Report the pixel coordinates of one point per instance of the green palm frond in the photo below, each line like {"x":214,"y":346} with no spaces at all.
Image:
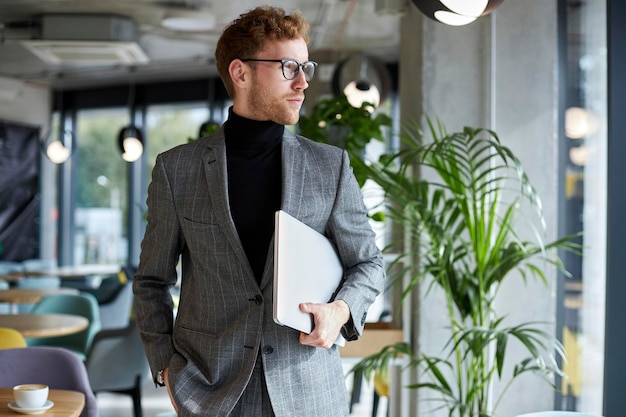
{"x":463,"y":226}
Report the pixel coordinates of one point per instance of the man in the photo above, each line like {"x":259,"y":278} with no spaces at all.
{"x":211,"y":203}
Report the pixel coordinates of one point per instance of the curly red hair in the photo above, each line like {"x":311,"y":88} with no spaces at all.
{"x":246,"y":35}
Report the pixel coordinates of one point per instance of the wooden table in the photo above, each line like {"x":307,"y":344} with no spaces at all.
{"x":376,"y":335}
{"x":66,"y":272}
{"x":44,"y":325}
{"x":14,"y":296}
{"x":66,"y":403}
{"x":78,"y":271}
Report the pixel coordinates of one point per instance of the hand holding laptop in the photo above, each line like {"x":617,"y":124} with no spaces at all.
{"x":306,"y":270}
{"x":330,"y":317}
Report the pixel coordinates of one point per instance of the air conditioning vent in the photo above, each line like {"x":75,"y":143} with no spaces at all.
{"x":87,"y":40}
{"x":87,"y":53}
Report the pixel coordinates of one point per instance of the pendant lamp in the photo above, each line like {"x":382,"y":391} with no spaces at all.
{"x":363,"y":79}
{"x":130,"y":138}
{"x":58,"y":149}
{"x":456,"y":12}
{"x":130,"y":142}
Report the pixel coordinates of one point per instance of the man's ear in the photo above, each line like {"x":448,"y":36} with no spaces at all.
{"x":238,"y":73}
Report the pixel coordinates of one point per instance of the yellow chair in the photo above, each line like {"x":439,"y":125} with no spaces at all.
{"x":10,"y":338}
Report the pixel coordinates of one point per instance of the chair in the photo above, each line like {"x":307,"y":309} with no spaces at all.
{"x":114,"y":294}
{"x":7,"y":267}
{"x":5,"y":308}
{"x":115,"y":298}
{"x":39,"y":282}
{"x":10,"y":338}
{"x":79,"y":304}
{"x":117,"y":363}
{"x":557,"y":414}
{"x":115,"y":312}
{"x":37,"y":264}
{"x":56,"y":367}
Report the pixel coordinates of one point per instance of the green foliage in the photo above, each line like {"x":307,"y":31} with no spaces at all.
{"x":98,"y":155}
{"x":335,"y":121}
{"x":463,"y":225}
{"x":207,"y":128}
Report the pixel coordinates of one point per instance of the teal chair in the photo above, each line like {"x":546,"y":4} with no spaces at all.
{"x":8,"y":267}
{"x":82,"y":304}
{"x":37,"y":264}
{"x":42,"y":282}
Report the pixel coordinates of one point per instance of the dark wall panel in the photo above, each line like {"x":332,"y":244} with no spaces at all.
{"x":19,"y":192}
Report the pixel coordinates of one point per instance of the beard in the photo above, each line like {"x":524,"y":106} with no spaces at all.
{"x":269,"y":105}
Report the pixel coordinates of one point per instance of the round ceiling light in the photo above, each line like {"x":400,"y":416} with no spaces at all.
{"x":363,"y":79}
{"x":189,"y":21}
{"x":456,"y":12}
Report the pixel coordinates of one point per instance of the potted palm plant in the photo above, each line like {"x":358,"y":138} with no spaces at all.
{"x":462,"y":226}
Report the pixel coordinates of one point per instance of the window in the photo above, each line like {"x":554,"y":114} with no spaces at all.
{"x":585,"y":204}
{"x":100,"y":235}
{"x":171,"y":125}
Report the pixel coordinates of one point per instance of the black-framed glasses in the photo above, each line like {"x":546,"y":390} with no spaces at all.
{"x":291,"y":67}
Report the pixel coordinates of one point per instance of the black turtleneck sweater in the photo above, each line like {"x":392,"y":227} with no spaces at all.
{"x":253,"y":153}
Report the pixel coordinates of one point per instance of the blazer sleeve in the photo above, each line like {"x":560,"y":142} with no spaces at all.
{"x":352,"y":233}
{"x":156,"y":273}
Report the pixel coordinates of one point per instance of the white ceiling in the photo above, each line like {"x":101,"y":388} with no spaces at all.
{"x":338,"y":28}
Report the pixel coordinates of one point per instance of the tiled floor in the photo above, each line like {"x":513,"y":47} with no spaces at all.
{"x":155,"y":401}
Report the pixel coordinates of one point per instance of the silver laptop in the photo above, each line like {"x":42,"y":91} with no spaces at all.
{"x":306,"y":269}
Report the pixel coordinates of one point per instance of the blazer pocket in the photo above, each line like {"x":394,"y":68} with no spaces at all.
{"x":204,"y":237}
{"x":198,"y":332}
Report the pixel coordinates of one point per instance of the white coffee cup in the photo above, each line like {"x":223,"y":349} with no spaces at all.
{"x":30,"y":395}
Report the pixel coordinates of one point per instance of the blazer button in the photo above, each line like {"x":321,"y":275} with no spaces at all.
{"x":268,"y":349}
{"x":258,"y":299}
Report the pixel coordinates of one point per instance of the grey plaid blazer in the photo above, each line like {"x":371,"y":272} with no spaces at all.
{"x":224,"y":318}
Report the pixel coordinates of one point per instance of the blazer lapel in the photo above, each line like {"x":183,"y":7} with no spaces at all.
{"x":292,"y":172}
{"x":214,"y":161}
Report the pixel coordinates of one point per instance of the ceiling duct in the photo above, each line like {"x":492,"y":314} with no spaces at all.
{"x":87,"y":40}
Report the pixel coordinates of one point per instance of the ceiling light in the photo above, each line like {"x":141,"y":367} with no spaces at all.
{"x":578,"y":155}
{"x":57,"y":144}
{"x":189,"y":21}
{"x":57,"y":152}
{"x":130,"y":141}
{"x":363,"y":79}
{"x":465,"y":7}
{"x":456,"y":12}
{"x":360,"y":92}
{"x":579,"y":123}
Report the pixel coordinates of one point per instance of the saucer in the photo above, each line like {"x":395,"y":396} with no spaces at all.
{"x":46,"y":406}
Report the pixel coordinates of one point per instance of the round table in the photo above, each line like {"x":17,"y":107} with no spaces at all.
{"x":66,"y":403}
{"x":14,"y":296}
{"x":66,"y":272}
{"x":44,"y":325}
{"x":77,"y":271}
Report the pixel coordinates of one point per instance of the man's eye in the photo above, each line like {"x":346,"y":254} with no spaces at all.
{"x":291,"y":65}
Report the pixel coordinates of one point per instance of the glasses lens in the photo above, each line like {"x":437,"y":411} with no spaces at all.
{"x":309,"y":70}
{"x":290,"y":69}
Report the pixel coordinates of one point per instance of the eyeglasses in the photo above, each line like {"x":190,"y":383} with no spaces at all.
{"x":291,"y":67}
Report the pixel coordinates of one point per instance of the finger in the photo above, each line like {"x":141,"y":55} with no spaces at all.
{"x":308,"y":308}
